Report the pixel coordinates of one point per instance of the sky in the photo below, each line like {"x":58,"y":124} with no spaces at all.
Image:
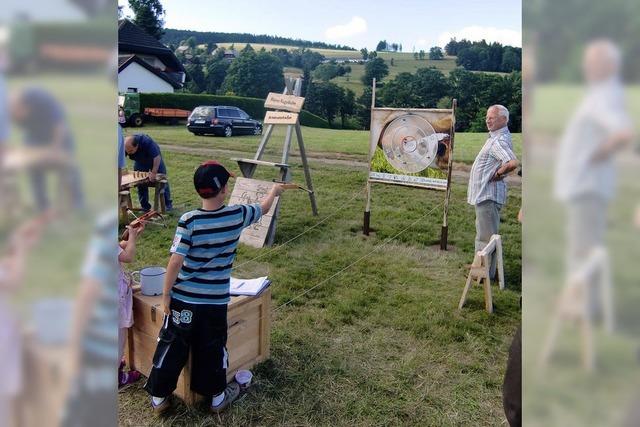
{"x":416,"y":24}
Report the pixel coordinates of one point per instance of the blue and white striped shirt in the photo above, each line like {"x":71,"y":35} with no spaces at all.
{"x":208,"y":241}
{"x":495,"y":152}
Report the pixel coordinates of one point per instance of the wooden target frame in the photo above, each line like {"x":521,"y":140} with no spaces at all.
{"x":380,"y":117}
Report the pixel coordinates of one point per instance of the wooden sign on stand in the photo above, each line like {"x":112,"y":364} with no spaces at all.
{"x":280,"y":118}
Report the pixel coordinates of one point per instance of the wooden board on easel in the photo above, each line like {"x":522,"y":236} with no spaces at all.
{"x":248,"y":191}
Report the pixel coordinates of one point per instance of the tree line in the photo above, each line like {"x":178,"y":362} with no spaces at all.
{"x":173,"y":36}
{"x":215,"y":74}
{"x":482,"y":56}
{"x":474,"y":92}
{"x":256,"y":73}
{"x":385,"y":46}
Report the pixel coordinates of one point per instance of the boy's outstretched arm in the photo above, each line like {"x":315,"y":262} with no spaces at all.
{"x":265,"y":204}
{"x":173,"y":268}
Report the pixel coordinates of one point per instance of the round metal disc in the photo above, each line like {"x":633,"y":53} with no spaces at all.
{"x":409,"y":143}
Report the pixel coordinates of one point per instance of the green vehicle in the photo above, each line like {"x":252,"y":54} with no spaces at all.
{"x":134,"y":116}
{"x":130,"y":104}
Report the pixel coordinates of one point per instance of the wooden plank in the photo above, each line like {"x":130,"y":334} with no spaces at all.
{"x":280,"y":118}
{"x":278,"y":101}
{"x":250,"y":191}
{"x":429,"y":187}
{"x":133,"y":178}
{"x":417,"y":181}
{"x":261,"y":162}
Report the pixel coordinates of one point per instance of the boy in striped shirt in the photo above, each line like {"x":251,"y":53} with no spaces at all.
{"x":196,"y":292}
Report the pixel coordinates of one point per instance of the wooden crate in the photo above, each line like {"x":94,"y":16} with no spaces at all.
{"x":248,"y":343}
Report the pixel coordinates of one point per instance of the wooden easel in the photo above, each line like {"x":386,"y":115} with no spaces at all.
{"x":573,"y":306}
{"x":289,"y":104}
{"x":480,"y":271}
{"x":286,"y":108}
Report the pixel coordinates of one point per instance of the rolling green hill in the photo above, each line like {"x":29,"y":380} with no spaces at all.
{"x":402,"y":62}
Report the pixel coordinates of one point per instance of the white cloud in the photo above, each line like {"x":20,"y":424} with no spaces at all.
{"x":477,"y":33}
{"x":357,"y":25}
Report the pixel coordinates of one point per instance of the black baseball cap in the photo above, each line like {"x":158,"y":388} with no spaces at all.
{"x":210,"y":178}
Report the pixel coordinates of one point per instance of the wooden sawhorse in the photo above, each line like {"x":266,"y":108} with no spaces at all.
{"x":479,"y":271}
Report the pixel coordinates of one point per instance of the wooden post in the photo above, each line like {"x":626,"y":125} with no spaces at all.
{"x":263,"y":143}
{"x":305,"y":167}
{"x":367,"y":212}
{"x":366,"y":226}
{"x":500,"y":262}
{"x":444,"y":233}
{"x":287,"y":144}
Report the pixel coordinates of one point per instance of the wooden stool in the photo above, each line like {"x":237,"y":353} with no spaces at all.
{"x":573,"y":305}
{"x":125,"y":204}
{"x":479,"y":271}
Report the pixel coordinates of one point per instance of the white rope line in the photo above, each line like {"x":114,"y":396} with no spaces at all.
{"x":375,"y":249}
{"x":334,"y":275}
{"x":334,"y":213}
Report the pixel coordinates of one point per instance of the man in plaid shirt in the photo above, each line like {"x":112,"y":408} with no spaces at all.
{"x":487,"y":190}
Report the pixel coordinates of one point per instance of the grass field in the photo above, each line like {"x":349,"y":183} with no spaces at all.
{"x":328,"y":53}
{"x":330,"y":143}
{"x":402,"y":62}
{"x":381,"y":343}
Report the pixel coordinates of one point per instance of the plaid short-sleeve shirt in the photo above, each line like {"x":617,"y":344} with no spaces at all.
{"x":495,"y":152}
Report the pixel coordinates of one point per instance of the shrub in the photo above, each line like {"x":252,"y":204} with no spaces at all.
{"x":252,"y":106}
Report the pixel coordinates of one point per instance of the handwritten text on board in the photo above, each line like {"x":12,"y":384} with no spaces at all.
{"x":249,"y":191}
{"x":278,"y":101}
{"x":280,"y":118}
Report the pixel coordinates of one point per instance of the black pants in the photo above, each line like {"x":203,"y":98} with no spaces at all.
{"x":201,"y":329}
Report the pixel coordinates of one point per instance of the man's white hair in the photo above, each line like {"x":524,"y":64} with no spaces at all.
{"x":502,"y":110}
{"x":608,"y":51}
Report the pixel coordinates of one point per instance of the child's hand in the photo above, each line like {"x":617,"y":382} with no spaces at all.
{"x":134,"y":232}
{"x":166,"y":303}
{"x":278,"y":189}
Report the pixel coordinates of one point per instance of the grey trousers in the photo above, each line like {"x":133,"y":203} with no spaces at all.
{"x":586,"y":228}
{"x":487,"y":223}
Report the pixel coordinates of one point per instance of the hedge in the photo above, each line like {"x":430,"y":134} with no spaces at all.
{"x":252,"y":106}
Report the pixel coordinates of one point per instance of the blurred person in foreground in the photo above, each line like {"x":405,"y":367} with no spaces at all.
{"x":94,"y":335}
{"x":45,"y":126}
{"x":487,"y":190}
{"x":12,"y":269}
{"x":4,"y":107}
{"x":585,"y":169}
